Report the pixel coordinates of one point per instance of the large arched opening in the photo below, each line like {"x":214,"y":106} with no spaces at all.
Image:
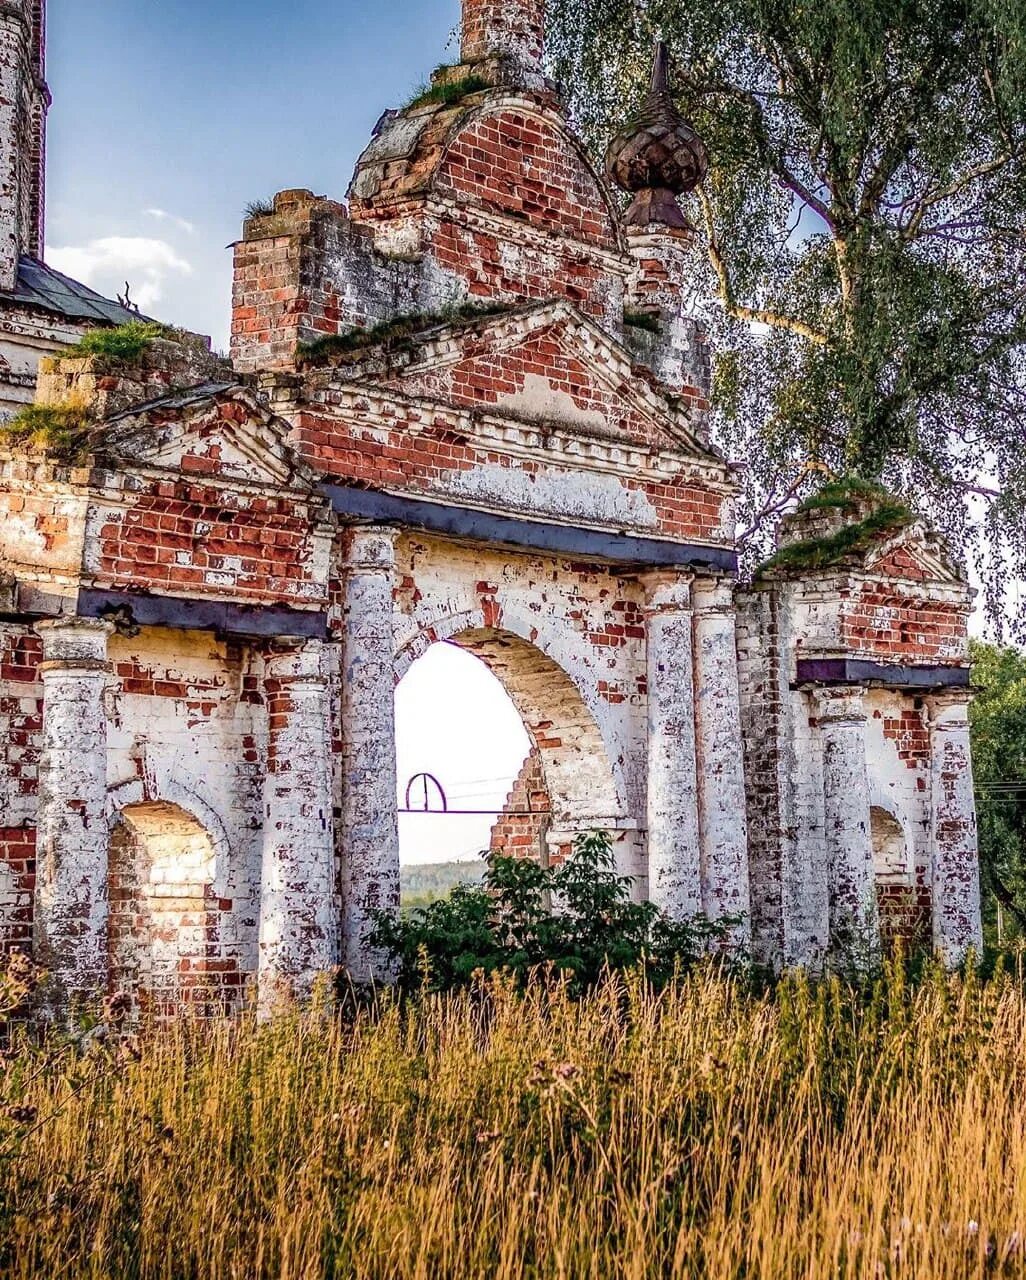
{"x":164,"y":931}
{"x":494,"y":723}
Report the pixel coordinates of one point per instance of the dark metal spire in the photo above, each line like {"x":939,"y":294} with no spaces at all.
{"x":657,"y":156}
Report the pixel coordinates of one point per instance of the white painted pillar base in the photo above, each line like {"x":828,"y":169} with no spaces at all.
{"x":957,"y":920}
{"x":369,"y":834}
{"x":299,"y":898}
{"x":854,"y":918}
{"x":674,"y":858}
{"x":722,"y":804}
{"x":71,"y":903}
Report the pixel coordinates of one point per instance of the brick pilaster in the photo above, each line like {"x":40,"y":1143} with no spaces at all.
{"x":71,"y":909}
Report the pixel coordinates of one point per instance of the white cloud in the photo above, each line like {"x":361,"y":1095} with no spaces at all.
{"x":105,"y":264}
{"x":162,"y":215}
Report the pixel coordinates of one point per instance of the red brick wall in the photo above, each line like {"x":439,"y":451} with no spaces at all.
{"x":518,"y":165}
{"x":409,"y":456}
{"x":884,"y":621}
{"x":18,"y":854}
{"x":186,"y":536}
{"x":905,"y":915}
{"x":21,"y":723}
{"x":485,"y":379}
{"x":528,"y":274}
{"x":912,"y":736}
{"x":514,"y":834}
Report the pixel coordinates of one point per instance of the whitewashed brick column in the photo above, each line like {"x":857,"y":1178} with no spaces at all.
{"x":298,"y":894}
{"x":854,"y":920}
{"x":674,"y":857}
{"x":71,"y":905}
{"x":722,"y":804}
{"x":369,"y":833}
{"x":957,"y":922}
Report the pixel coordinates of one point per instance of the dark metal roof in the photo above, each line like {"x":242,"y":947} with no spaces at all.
{"x":41,"y":286}
{"x":178,"y":399}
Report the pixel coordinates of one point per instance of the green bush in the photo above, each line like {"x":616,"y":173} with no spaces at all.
{"x":511,"y":924}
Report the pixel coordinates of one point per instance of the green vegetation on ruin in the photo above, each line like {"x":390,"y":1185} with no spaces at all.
{"x":58,"y":431}
{"x":447,"y":93}
{"x":125,"y":342}
{"x":390,"y":335}
{"x":259,"y":209}
{"x":848,"y":495}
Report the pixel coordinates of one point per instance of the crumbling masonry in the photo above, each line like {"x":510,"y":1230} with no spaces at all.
{"x":467,"y":405}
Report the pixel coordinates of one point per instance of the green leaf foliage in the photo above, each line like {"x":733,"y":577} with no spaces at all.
{"x":577,"y":920}
{"x":999,"y":767}
{"x":862,"y":239}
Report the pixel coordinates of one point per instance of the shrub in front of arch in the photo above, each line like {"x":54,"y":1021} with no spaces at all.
{"x":576,"y":921}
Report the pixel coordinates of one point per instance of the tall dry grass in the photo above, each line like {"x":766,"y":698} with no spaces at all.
{"x":703,"y":1132}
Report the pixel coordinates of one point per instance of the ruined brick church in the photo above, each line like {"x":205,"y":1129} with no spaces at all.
{"x":468,"y":404}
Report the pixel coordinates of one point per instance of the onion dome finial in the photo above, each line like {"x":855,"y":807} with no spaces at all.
{"x":657,"y":156}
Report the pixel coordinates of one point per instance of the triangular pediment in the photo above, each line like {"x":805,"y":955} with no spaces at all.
{"x":222,"y":432}
{"x":547,"y":366}
{"x":917,"y":555}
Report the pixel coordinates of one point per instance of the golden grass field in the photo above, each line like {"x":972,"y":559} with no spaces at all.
{"x":703,"y":1132}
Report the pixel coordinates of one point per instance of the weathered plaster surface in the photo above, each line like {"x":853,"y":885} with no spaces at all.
{"x":198,"y":790}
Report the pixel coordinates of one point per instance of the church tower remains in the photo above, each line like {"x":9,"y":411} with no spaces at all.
{"x":24,"y":102}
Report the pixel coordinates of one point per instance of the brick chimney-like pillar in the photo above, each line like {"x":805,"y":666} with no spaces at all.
{"x":513,"y":30}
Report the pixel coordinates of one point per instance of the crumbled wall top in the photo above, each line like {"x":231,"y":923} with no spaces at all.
{"x":410,"y":151}
{"x":849,"y":525}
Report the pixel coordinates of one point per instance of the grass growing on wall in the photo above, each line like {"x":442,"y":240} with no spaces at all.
{"x":124,"y":342}
{"x":58,"y":431}
{"x":706,"y":1132}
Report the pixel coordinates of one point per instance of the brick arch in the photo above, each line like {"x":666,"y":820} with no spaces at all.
{"x":581,"y":780}
{"x":159,"y":787}
{"x":512,"y":157}
{"x":164,"y":933}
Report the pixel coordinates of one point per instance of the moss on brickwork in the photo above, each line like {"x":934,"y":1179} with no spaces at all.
{"x":58,"y":431}
{"x":447,"y":94}
{"x":125,"y":342}
{"x":848,"y":495}
{"x":346,"y":348}
{"x":845,"y":493}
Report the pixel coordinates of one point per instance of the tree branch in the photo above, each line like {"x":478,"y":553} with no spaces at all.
{"x":752,"y":315}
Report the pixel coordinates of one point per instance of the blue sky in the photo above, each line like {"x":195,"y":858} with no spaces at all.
{"x":191,"y":109}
